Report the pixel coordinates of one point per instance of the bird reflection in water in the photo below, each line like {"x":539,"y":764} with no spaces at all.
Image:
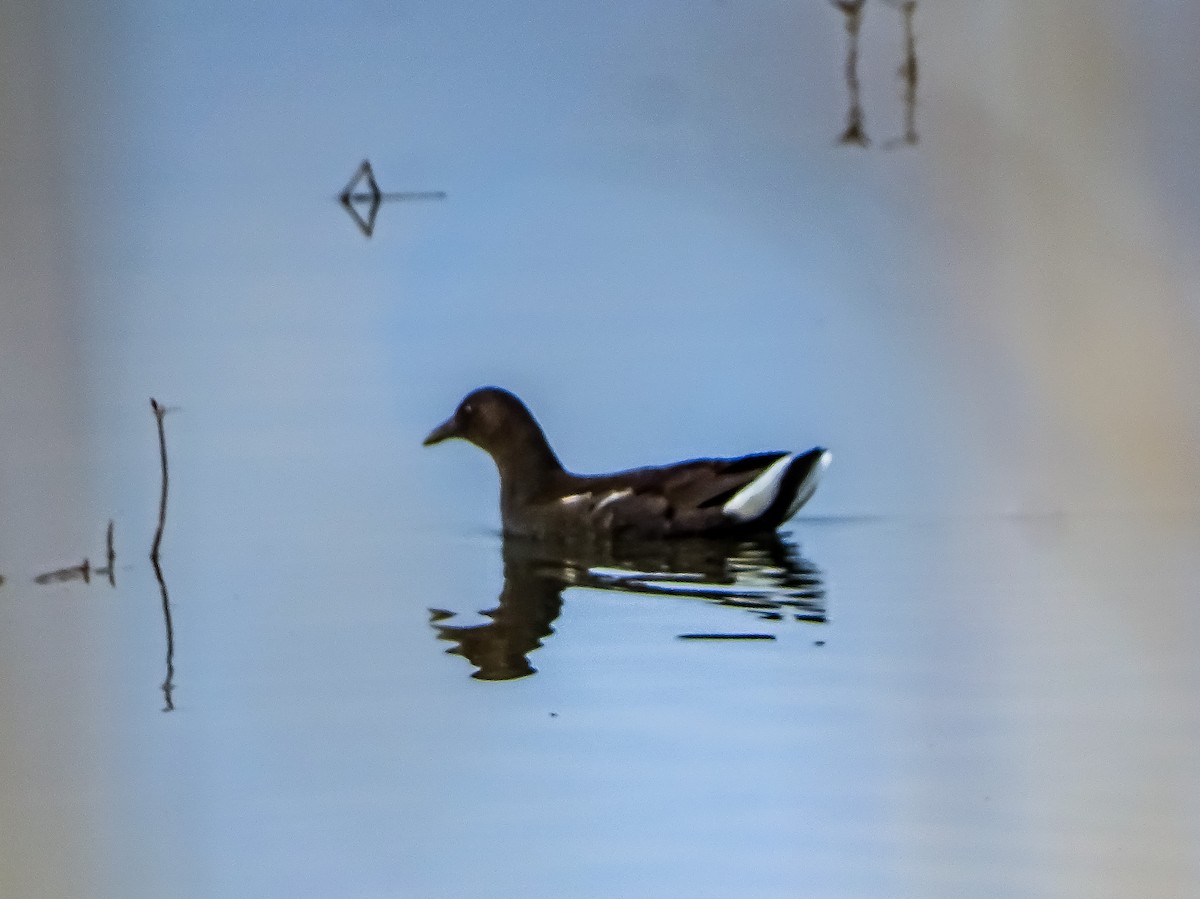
{"x":765,"y":576}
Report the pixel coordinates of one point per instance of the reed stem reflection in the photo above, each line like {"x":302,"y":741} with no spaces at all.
{"x":908,"y":71}
{"x":765,"y":576}
{"x":855,"y":132}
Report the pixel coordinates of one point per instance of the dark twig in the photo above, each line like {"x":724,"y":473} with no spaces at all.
{"x":169,"y":683}
{"x":81,"y":572}
{"x":159,"y":412}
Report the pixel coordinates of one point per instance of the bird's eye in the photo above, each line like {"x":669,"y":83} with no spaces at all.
{"x":466,"y":409}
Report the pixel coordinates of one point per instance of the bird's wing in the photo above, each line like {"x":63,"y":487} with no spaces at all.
{"x":710,"y":483}
{"x":677,"y":499}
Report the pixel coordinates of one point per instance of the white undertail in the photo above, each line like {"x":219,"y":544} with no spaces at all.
{"x":756,"y":498}
{"x":809,"y":485}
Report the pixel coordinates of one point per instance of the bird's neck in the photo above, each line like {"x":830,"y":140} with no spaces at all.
{"x":528,"y":467}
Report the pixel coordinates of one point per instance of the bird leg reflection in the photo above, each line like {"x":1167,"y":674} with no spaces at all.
{"x":766,"y":576}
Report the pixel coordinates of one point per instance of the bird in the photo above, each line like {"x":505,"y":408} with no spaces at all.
{"x":540,"y":499}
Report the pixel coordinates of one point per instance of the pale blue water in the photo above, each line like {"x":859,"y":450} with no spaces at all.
{"x":982,"y":677}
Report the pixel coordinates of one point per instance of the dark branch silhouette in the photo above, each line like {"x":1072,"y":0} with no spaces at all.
{"x":168,"y":684}
{"x":159,"y":412}
{"x":80,"y":572}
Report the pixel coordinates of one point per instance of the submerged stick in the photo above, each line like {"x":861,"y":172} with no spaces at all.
{"x":168,"y":684}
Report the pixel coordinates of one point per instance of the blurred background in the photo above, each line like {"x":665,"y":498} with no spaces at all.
{"x":953,"y":244}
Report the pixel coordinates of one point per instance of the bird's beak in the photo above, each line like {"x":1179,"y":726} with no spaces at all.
{"x":444,"y":431}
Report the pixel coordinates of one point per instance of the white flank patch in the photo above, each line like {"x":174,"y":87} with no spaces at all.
{"x":575,"y":498}
{"x":756,"y":497}
{"x":612,"y":498}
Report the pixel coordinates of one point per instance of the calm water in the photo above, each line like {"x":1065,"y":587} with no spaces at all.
{"x":968,"y":667}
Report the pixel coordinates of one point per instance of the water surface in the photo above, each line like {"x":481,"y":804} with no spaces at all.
{"x":981,"y":679}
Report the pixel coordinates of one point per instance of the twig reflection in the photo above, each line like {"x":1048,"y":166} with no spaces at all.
{"x":362,"y":189}
{"x":908,"y":71}
{"x":855,"y":132}
{"x":110,"y":554}
{"x":84,"y":570}
{"x":168,"y":684}
{"x":766,"y":576}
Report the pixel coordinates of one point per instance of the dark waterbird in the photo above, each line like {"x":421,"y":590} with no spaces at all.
{"x":701,"y":497}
